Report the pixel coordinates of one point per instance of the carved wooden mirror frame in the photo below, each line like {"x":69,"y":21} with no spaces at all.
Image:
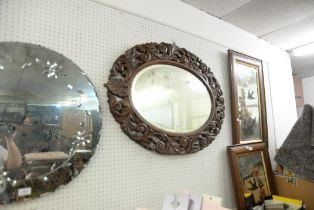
{"x":135,"y":126}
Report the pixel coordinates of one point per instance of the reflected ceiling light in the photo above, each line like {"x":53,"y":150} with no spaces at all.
{"x":63,"y":104}
{"x":70,"y":86}
{"x":304,"y":50}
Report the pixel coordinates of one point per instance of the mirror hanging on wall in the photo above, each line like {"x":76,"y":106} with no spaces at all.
{"x":49,"y":121}
{"x":165,"y":98}
{"x":247,"y":99}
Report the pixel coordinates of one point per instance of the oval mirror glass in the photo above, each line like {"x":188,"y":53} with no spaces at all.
{"x":165,"y":98}
{"x":170,"y":98}
{"x":49,"y":121}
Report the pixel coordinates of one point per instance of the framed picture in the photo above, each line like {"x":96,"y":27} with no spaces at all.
{"x":249,"y":122}
{"x":251,"y":172}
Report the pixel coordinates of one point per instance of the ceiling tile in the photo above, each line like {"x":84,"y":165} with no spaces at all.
{"x":218,"y":8}
{"x":261,"y":17}
{"x":293,"y":36}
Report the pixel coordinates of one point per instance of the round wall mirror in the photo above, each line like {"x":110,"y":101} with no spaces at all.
{"x":165,"y":98}
{"x":49,"y":121}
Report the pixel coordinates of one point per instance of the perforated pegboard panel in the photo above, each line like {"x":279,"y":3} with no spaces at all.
{"x":122,"y":175}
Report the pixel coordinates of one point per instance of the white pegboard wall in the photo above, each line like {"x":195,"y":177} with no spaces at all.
{"x":122,"y":175}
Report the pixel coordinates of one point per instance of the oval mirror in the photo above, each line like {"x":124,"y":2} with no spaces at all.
{"x":165,"y":98}
{"x":170,"y":98}
{"x":49,"y":121}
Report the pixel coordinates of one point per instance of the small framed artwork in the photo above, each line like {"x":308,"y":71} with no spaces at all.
{"x":249,"y":122}
{"x":251,"y":172}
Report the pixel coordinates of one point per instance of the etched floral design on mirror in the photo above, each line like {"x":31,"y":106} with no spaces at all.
{"x":49,"y":121}
{"x":165,"y":98}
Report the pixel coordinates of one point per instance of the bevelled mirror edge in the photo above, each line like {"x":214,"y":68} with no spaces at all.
{"x":52,"y":76}
{"x":170,"y":65}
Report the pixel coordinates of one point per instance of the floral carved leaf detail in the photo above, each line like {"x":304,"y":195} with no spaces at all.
{"x":124,"y":70}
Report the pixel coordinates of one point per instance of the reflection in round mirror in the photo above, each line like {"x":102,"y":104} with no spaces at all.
{"x":49,"y":121}
{"x":171,"y":98}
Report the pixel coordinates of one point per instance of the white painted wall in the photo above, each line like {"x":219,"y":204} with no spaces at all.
{"x":122,"y":175}
{"x":308,"y":87}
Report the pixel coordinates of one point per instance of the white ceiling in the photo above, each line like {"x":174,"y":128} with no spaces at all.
{"x":285,"y":23}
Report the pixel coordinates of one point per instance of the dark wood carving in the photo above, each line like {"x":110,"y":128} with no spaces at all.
{"x":120,"y":79}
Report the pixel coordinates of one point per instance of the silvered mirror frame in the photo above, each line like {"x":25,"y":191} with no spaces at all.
{"x":121,"y":76}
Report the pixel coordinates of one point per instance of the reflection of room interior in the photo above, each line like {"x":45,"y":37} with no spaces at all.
{"x":49,"y":126}
{"x":45,"y":137}
{"x":39,"y":128}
